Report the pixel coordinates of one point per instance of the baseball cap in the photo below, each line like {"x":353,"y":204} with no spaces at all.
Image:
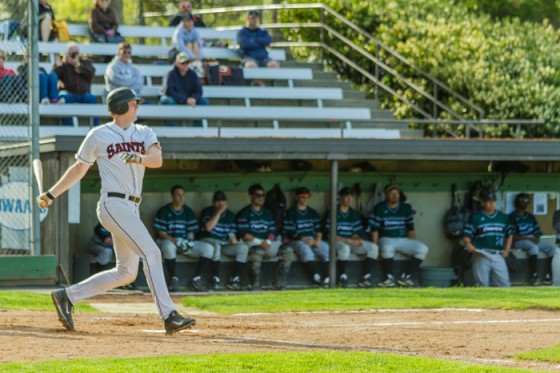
{"x":219,"y":196}
{"x":302,"y":191}
{"x":390,"y":187}
{"x":346,"y":191}
{"x":253,"y":13}
{"x":182,"y":57}
{"x":488,"y":195}
{"x":187,"y":17}
{"x":522,"y":197}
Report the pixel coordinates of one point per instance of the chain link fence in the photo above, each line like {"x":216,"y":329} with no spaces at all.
{"x":16,"y":180}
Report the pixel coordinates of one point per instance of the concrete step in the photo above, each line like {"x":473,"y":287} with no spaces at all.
{"x":374,"y":105}
{"x":409,"y":133}
{"x":325,"y":84}
{"x":370,"y":124}
{"x":313,"y":66}
{"x":325,"y":75}
{"x":353,"y":95}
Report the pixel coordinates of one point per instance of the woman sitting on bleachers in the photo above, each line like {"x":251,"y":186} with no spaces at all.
{"x":103,"y":24}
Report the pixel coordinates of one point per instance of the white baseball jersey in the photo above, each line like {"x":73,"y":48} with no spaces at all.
{"x":104,"y":143}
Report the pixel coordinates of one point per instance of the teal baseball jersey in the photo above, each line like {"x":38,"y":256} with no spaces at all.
{"x":392,"y":222}
{"x":489,"y":232}
{"x":177,"y":224}
{"x":259,"y":224}
{"x":301,"y":223}
{"x":525,"y":225}
{"x":347,"y":224}
{"x":226,"y":224}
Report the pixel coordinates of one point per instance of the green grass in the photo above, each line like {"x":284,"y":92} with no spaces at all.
{"x":32,"y":301}
{"x":262,"y":362}
{"x":518,"y":298}
{"x":548,"y":354}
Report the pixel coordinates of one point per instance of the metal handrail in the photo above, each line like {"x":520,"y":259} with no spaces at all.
{"x":356,"y":28}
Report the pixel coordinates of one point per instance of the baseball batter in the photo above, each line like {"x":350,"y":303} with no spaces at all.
{"x":122,"y":150}
{"x":489,"y":236}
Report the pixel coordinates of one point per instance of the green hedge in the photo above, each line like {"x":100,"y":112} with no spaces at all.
{"x":506,"y":66}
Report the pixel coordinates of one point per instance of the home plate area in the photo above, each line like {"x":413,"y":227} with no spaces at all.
{"x":128,"y":326}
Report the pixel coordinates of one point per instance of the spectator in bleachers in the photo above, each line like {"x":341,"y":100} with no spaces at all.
{"x":103,"y":24}
{"x":48,"y":83}
{"x":184,"y":8}
{"x":186,"y":39}
{"x":175,"y":225}
{"x":392,"y":226}
{"x":302,"y":227}
{"x":75,"y":75}
{"x":252,"y":44}
{"x":257,"y":229}
{"x":121,"y":72}
{"x":349,"y":238}
{"x":182,"y":86}
{"x":101,"y":246}
{"x":220,"y":230}
{"x":12,"y":87}
{"x":46,"y":16}
{"x":527,"y":237}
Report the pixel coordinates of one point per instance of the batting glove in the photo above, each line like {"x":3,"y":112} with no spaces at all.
{"x":130,"y":158}
{"x":44,"y":201}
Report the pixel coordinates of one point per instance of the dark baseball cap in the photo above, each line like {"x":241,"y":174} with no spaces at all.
{"x":390,"y":187}
{"x":253,"y":13}
{"x":522,"y":197}
{"x":488,"y":195}
{"x":187,"y":17}
{"x":302,"y":191}
{"x":219,"y":196}
{"x":346,"y":191}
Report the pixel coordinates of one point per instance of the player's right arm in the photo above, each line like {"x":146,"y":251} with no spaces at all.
{"x":468,"y":244}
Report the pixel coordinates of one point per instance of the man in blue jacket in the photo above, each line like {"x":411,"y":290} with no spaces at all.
{"x":181,"y":86}
{"x":253,"y":42}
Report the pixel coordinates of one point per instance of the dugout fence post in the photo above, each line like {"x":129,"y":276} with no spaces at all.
{"x":33,"y":102}
{"x":332,"y":230}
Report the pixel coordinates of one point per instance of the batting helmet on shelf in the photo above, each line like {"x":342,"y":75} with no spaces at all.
{"x":117,"y":100}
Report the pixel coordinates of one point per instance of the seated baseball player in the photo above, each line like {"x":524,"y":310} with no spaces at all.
{"x":349,"y":233}
{"x":302,"y":227}
{"x":257,"y":230}
{"x":392,"y":228}
{"x":101,"y":245}
{"x":182,"y":86}
{"x":220,"y":230}
{"x":175,"y":224}
{"x":488,"y":236}
{"x":527,"y":237}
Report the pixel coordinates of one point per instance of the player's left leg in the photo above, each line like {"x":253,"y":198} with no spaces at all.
{"x":322,"y":252}
{"x":240,"y":251}
{"x":371,"y":252}
{"x":342,"y":254}
{"x":499,"y":275}
{"x":549,"y":249}
{"x":417,"y":252}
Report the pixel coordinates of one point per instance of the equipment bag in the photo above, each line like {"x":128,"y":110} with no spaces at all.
{"x":224,"y":75}
{"x":454,"y":219}
{"x":276,"y":202}
{"x":60,"y":29}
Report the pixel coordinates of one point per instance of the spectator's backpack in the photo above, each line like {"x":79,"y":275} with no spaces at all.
{"x":454,"y":219}
{"x":224,"y":75}
{"x":276,"y":202}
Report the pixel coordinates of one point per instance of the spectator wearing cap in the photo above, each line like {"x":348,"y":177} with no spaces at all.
{"x":302,"y":227}
{"x":186,"y":39}
{"x":350,"y":238}
{"x":184,"y":8}
{"x":75,"y":75}
{"x":182,"y":86}
{"x":527,"y":237}
{"x":392,"y":228}
{"x":220,"y":230}
{"x":253,"y":42}
{"x":489,"y":236}
{"x":121,"y":72}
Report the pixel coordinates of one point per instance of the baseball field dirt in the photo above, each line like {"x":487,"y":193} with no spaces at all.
{"x":127,"y":326}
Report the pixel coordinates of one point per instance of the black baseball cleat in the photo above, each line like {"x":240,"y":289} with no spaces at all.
{"x":176,"y":322}
{"x":64,"y":308}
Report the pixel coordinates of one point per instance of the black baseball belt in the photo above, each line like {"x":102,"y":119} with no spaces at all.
{"x":124,"y":196}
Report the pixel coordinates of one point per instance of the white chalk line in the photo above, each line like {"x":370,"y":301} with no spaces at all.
{"x":392,"y":310}
{"x":413,"y":323}
{"x":160,"y":331}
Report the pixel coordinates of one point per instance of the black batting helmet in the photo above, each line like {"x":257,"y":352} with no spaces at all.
{"x":117,"y":100}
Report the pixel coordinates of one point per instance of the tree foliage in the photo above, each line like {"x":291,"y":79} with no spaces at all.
{"x":508,"y":67}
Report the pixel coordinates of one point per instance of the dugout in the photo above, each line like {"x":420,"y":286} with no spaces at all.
{"x":424,"y":168}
